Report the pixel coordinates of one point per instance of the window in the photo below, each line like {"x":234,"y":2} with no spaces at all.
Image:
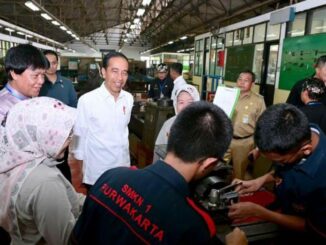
{"x":258,"y":61}
{"x":237,"y":37}
{"x":216,"y":46}
{"x":229,"y":39}
{"x":273,"y":32}
{"x":297,"y":27}
{"x":260,"y":33}
{"x":199,"y":52}
{"x":247,"y":35}
{"x":318,"y":21}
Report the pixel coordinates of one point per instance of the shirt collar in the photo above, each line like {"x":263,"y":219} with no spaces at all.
{"x":106,"y":94}
{"x":311,"y":164}
{"x":177,"y":79}
{"x":15,"y":93}
{"x":170,"y":175}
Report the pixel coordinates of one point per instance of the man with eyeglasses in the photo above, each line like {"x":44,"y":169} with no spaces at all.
{"x":102,"y":121}
{"x":283,"y":135}
{"x":248,"y":109}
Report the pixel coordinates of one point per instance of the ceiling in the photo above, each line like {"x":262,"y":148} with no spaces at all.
{"x":107,"y":23}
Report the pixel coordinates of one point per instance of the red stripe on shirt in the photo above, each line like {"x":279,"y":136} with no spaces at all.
{"x":209,"y":221}
{"x":120,"y":218}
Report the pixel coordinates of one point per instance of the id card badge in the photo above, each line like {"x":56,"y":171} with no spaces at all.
{"x":245,"y":119}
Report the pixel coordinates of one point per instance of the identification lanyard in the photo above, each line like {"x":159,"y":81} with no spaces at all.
{"x":15,"y":93}
{"x":161,"y":86}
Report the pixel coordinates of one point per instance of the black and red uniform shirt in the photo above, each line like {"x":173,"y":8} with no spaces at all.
{"x":145,"y":206}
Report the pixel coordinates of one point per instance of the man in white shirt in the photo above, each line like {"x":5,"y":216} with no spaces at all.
{"x":103,"y":115}
{"x":178,"y":80}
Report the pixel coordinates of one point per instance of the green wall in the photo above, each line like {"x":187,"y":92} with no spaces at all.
{"x":298,"y":58}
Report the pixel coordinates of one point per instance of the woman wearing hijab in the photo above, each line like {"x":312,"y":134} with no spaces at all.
{"x":37,"y":204}
{"x":186,"y":95}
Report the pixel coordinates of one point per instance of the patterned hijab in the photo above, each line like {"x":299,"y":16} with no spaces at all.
{"x":192,"y":90}
{"x":34,"y":133}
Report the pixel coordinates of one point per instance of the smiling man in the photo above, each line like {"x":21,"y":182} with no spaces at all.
{"x":25,"y":66}
{"x":102,"y":121}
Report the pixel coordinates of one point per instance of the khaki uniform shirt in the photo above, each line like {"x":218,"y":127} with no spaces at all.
{"x":247,"y":112}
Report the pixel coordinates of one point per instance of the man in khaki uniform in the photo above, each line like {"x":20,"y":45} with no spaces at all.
{"x":248,"y":109}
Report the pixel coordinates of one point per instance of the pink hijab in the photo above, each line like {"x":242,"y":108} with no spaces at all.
{"x":35,"y":131}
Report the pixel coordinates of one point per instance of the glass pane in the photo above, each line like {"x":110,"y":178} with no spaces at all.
{"x":207,"y":61}
{"x":260,"y":33}
{"x":212,"y":62}
{"x":272,"y":64}
{"x":318,"y":21}
{"x":247,"y":35}
{"x":273,"y":32}
{"x":196,"y":72}
{"x":258,"y":61}
{"x":229,"y":39}
{"x":214,"y":43}
{"x":207,"y":43}
{"x":297,"y":27}
{"x":197,"y":45}
{"x":200,"y":64}
{"x":237,"y":37}
{"x":201,"y":44}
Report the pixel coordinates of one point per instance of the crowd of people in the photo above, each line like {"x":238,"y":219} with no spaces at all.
{"x":40,"y":116}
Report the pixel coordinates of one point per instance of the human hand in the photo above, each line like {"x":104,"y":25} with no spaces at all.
{"x":236,"y":237}
{"x":248,"y":186}
{"x":253,"y":154}
{"x":244,"y":210}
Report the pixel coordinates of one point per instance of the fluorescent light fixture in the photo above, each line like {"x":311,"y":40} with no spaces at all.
{"x":56,"y":23}
{"x":69,"y":32}
{"x":32,"y":6}
{"x":63,"y":28}
{"x":9,"y":29}
{"x":170,"y":42}
{"x":77,"y":38}
{"x":140,"y":11}
{"x":29,"y":36}
{"x":146,"y":2}
{"x":133,"y":26}
{"x":125,"y":40}
{"x":46,"y":16}
{"x":136,"y":20}
{"x":183,"y":38}
{"x":20,"y":33}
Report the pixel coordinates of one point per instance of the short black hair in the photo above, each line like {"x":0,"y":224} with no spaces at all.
{"x":113,"y":54}
{"x":281,"y":129}
{"x":321,"y":61}
{"x":315,"y":88}
{"x":177,"y":67}
{"x":22,"y":57}
{"x":253,"y":75}
{"x":48,"y":51}
{"x":200,"y":131}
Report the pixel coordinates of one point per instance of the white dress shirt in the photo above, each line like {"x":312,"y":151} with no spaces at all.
{"x":102,"y":132}
{"x":178,"y":82}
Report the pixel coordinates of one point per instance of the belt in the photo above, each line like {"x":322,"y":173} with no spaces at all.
{"x":241,"y":138}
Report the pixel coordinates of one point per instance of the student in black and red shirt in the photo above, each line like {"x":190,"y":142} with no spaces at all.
{"x":152,"y":205}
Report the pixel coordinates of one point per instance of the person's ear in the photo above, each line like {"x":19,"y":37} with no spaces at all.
{"x":13,"y":75}
{"x":103,"y":72}
{"x":209,"y":163}
{"x":307,"y":149}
